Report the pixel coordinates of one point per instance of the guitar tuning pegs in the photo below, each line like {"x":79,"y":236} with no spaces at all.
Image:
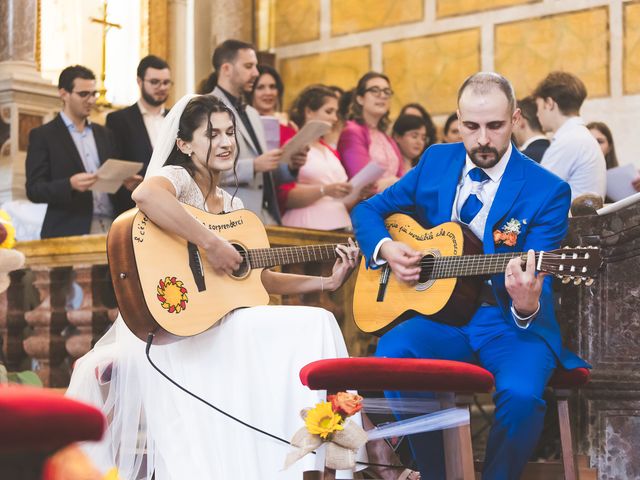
{"x":577,"y":280}
{"x":589,"y":282}
{"x":566,"y":279}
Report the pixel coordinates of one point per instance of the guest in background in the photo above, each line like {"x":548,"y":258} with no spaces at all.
{"x":574,"y":155}
{"x":332,"y":137}
{"x":344,"y":105}
{"x":451,"y":132}
{"x":419,"y":111}
{"x":364,"y":137}
{"x":337,"y":90}
{"x":603,"y":136}
{"x":528,"y":133}
{"x":316,"y":199}
{"x":136,"y":127}
{"x":62,"y":158}
{"x":410,"y":133}
{"x":266,"y":97}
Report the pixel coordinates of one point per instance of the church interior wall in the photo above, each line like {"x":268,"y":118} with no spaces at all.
{"x":428,"y":47}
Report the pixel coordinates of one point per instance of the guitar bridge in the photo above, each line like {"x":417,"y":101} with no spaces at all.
{"x":385,"y":272}
{"x":195,"y":264}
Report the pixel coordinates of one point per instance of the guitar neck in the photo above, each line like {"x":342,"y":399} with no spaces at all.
{"x":470,"y":265}
{"x":270,"y":257}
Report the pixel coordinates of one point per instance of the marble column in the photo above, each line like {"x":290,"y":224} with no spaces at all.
{"x":18,"y":37}
{"x":12,"y":323}
{"x":96,"y":309}
{"x":216,"y":21}
{"x":602,"y":324}
{"x":26,"y":99}
{"x":46,"y":343}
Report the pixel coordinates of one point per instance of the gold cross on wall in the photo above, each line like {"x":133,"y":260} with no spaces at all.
{"x":106,"y":25}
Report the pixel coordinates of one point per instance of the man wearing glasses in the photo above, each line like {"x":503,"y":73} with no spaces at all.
{"x":135,"y":128}
{"x":62,"y":159}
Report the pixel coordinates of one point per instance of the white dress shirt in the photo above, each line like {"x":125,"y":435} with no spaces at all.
{"x":85,"y":143}
{"x":575,"y":156}
{"x":152,"y":122}
{"x":486,"y":193}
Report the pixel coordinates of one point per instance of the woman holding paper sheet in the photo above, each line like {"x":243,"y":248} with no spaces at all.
{"x":602,"y":134}
{"x":364,"y":138}
{"x":266,"y":98}
{"x":317,"y":199}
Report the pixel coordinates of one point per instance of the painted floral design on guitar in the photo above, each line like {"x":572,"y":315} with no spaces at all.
{"x":172,"y":294}
{"x":509,"y":233}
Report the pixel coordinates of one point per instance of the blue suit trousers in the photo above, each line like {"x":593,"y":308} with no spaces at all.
{"x":521,"y":363}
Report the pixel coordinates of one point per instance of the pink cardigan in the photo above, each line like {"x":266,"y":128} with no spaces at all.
{"x":353,"y":147}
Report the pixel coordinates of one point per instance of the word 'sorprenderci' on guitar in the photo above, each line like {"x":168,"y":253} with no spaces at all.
{"x":164,"y":284}
{"x":452,"y":271}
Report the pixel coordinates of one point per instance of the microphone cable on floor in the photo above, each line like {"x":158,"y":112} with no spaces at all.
{"x":228,"y":415}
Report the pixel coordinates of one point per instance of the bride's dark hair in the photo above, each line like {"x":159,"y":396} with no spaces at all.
{"x":196,"y":112}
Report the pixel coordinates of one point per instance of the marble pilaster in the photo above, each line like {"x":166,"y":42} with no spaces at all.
{"x":26,"y":99}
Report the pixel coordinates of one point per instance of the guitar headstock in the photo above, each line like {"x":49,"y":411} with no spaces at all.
{"x":575,"y":264}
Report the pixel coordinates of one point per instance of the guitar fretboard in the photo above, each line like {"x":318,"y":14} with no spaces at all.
{"x":270,"y":257}
{"x":469,"y":265}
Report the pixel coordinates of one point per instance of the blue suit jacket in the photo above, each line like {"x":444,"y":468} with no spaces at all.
{"x":527,"y":192}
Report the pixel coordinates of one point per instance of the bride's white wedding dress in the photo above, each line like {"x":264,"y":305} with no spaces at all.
{"x":247,"y":365}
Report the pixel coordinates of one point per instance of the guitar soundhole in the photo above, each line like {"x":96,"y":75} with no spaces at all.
{"x":244,"y":268}
{"x":427,"y":263}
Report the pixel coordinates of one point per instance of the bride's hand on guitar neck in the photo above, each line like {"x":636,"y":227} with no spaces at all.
{"x":524,"y":286}
{"x":346,"y":262}
{"x":222,"y":256}
{"x":403,"y":260}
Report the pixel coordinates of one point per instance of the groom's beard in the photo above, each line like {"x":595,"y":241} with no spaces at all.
{"x":485,"y":157}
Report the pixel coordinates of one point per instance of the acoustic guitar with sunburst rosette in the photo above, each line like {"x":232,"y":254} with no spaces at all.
{"x":453,"y":269}
{"x":164,"y":285}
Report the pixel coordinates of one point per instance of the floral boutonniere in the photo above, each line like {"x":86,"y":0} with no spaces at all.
{"x":509,"y":233}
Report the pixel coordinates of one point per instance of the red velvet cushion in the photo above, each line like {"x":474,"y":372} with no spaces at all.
{"x":412,"y":374}
{"x":33,"y":419}
{"x":575,"y":378}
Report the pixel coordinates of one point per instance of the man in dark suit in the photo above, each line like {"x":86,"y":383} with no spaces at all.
{"x":62,"y":159}
{"x":528,"y":132}
{"x":497,"y":192}
{"x":135,"y":128}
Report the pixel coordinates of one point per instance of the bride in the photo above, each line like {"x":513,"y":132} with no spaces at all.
{"x":247,"y":364}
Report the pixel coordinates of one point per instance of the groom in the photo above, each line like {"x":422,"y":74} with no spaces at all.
{"x":487,"y":184}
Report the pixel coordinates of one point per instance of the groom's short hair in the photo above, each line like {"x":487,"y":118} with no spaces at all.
{"x":227,"y":52}
{"x":483,"y":82}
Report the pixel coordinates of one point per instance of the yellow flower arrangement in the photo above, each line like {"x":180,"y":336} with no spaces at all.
{"x":322,"y":420}
{"x":112,"y":474}
{"x":7,"y":231}
{"x":327,"y":423}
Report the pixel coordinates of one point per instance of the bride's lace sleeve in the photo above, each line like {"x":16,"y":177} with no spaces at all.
{"x":178,"y":176}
